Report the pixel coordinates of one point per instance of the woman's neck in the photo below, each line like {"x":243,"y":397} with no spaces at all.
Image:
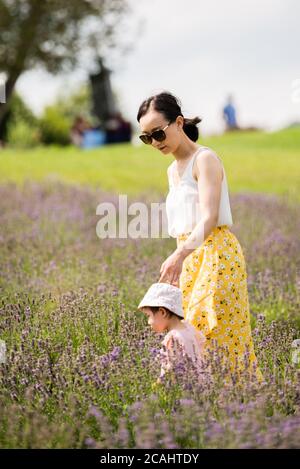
{"x":185,"y":150}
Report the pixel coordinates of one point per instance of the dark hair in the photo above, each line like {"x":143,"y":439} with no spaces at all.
{"x":170,"y":107}
{"x":155,"y":309}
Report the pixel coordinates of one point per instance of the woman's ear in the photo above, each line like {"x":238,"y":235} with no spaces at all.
{"x":179,"y":121}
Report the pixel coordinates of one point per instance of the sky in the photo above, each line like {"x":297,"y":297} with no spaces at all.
{"x":201,"y":51}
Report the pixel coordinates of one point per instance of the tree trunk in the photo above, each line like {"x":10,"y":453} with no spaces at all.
{"x":25,"y":40}
{"x":4,"y":108}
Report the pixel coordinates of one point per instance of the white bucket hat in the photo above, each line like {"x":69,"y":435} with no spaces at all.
{"x":164,"y":294}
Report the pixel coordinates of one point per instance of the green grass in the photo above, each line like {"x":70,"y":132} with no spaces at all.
{"x":254,"y":161}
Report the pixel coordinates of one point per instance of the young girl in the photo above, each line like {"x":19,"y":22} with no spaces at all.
{"x":163,"y":306}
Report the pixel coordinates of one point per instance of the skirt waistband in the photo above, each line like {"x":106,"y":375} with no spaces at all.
{"x":183,"y":236}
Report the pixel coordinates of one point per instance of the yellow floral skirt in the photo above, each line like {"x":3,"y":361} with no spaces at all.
{"x":213,"y":282}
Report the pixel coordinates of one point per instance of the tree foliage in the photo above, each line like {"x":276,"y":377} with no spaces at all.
{"x":53,"y":34}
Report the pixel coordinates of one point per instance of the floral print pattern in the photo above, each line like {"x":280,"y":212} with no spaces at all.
{"x":213,"y":282}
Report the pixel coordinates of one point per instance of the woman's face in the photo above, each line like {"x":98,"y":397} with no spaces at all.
{"x":154,"y":120}
{"x":158,"y":321}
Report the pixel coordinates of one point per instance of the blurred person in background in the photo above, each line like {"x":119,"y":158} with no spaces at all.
{"x":78,"y":129}
{"x":229,"y":115}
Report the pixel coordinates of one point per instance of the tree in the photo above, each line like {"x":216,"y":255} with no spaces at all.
{"x":20,"y":116}
{"x":52,"y":34}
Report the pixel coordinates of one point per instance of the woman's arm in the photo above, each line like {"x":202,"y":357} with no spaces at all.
{"x":209,"y":173}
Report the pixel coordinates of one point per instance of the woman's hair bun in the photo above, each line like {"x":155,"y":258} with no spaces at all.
{"x":190,"y":128}
{"x":194,"y":121}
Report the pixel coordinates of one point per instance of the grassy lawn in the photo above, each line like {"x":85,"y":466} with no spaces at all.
{"x":254,"y":162}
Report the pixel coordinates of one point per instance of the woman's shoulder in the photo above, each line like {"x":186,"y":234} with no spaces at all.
{"x":207,"y":153}
{"x":207,"y":159}
{"x":170,"y":168}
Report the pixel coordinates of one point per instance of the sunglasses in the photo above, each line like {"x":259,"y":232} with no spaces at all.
{"x":158,"y":135}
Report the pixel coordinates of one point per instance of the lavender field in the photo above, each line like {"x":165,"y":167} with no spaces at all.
{"x":81,"y":360}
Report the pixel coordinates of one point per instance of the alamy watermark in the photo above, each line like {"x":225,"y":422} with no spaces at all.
{"x":2,"y":90}
{"x":295,"y":94}
{"x":2,"y":351}
{"x":295,"y":352}
{"x":141,"y":220}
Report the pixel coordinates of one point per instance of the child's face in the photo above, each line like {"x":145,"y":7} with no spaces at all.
{"x":158,"y":321}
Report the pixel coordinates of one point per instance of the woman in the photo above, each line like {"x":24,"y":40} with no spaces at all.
{"x":208,"y":264}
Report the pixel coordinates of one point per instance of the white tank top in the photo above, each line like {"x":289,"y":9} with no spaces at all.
{"x":182,"y":202}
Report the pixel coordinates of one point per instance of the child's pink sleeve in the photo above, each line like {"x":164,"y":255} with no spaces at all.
{"x":201,"y":339}
{"x":171,"y":354}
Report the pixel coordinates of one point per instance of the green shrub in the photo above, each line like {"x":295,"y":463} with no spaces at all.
{"x":55,"y":127}
{"x":22,"y":126}
{"x":22,"y":134}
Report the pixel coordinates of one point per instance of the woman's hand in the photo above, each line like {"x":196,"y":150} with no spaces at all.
{"x":171,"y":269}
